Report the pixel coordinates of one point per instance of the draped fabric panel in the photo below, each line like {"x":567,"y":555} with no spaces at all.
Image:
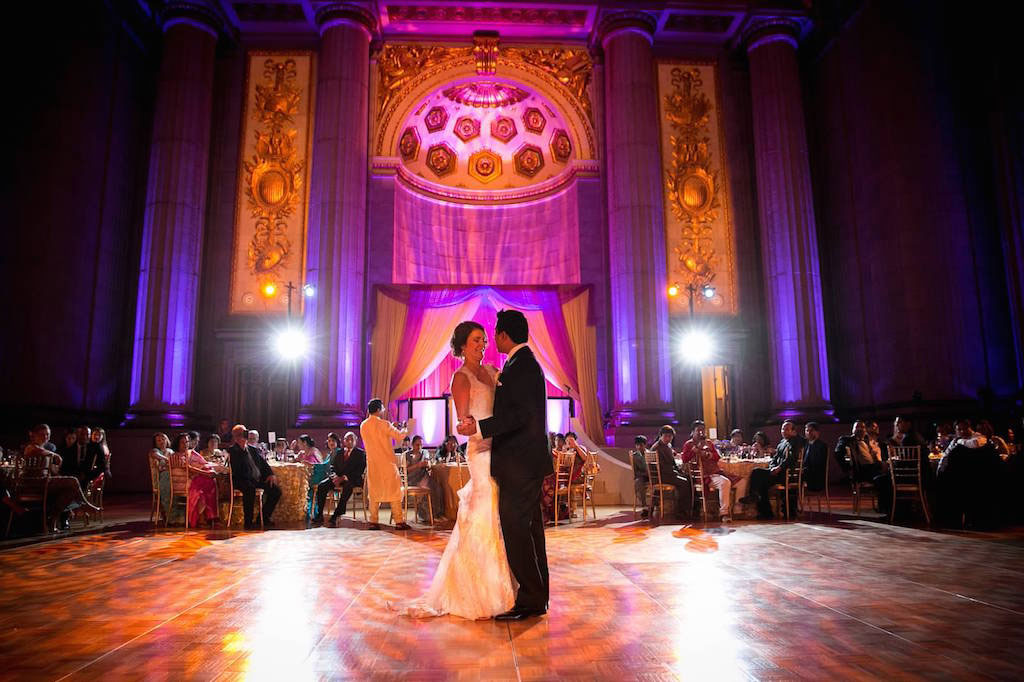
{"x":386,"y":345}
{"x":531,"y":243}
{"x":425,"y":342}
{"x":584,"y":346}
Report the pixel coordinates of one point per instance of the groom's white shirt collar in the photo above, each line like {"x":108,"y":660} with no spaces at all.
{"x":514,"y":350}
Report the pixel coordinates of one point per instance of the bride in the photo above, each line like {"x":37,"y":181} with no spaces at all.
{"x":473,"y":579}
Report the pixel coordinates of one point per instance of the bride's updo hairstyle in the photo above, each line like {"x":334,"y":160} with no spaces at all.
{"x":461,"y":335}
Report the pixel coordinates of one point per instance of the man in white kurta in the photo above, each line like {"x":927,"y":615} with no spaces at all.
{"x":382,"y":477}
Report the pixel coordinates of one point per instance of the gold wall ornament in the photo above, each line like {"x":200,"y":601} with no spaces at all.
{"x":699,"y":233}
{"x":270,"y":231}
{"x":572,"y":67}
{"x":406,"y":71}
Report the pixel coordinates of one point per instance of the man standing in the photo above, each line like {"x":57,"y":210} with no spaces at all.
{"x":519,"y":462}
{"x":348,"y":463}
{"x":816,"y":456}
{"x":383,"y":482}
{"x":250,"y":471}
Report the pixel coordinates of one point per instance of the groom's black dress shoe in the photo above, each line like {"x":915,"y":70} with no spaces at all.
{"x":517,"y":613}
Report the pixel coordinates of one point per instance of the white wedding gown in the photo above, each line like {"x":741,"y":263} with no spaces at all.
{"x":473,"y":579}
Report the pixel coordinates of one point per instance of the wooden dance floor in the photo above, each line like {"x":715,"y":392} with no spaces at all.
{"x":850,"y":600}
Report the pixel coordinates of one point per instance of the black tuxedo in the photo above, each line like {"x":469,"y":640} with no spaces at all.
{"x":352,"y":468}
{"x":83,"y":461}
{"x":788,"y":454}
{"x":519,"y":462}
{"x":249,"y":470}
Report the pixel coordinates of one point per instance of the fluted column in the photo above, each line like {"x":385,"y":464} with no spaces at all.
{"x":789,"y":242}
{"x":332,"y":378}
{"x":636,"y":225}
{"x":172,"y":230}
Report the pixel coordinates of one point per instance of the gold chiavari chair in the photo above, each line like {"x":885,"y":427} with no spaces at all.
{"x":156,"y":465}
{"x":30,"y":485}
{"x":905,"y":474}
{"x":563,"y":478}
{"x":585,"y":490}
{"x":792,"y":484}
{"x":413,"y":491}
{"x":859,"y":488}
{"x":695,"y":472}
{"x":237,"y":494}
{"x":180,"y":481}
{"x":655,"y":486}
{"x":818,"y":494}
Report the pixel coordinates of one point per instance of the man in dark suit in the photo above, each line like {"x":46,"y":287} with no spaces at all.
{"x":816,"y":456}
{"x":84,"y":460}
{"x":519,"y":462}
{"x":670,"y":472}
{"x":348,"y":464}
{"x":787,"y":455}
{"x":250,"y":471}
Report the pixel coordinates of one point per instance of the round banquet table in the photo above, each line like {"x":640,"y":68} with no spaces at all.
{"x":742,"y":469}
{"x":293,"y":478}
{"x":449,"y":477}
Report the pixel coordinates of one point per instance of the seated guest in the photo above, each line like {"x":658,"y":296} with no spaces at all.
{"x":404,"y":447}
{"x":967,"y":480}
{"x":867,"y":462}
{"x":193,"y":440}
{"x":761,"y":447}
{"x":787,"y":454}
{"x":309,"y":453}
{"x":944,"y":435}
{"x":700,"y":447}
{"x":68,"y":447}
{"x":253,"y":439}
{"x":99,"y":436}
{"x":281,"y":451}
{"x":249,"y":470}
{"x":986,"y":429}
{"x":641,"y":477}
{"x":161,"y":452}
{"x":62,"y":491}
{"x":202,"y":488}
{"x":903,"y":434}
{"x":576,"y":472}
{"x":417,"y":466}
{"x":670,"y":473}
{"x":212,"y":451}
{"x":348,"y":466}
{"x":734,"y":443}
{"x":875,"y":440}
{"x":449,"y":450}
{"x":81,"y":458}
{"x":816,"y":454}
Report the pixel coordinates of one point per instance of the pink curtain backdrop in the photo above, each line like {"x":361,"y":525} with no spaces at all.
{"x":424,"y":365}
{"x":531,"y":243}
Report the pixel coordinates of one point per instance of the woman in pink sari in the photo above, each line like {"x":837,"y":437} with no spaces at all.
{"x":202,"y":491}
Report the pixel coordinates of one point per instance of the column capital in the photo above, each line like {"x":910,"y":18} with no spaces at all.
{"x":764,"y":30}
{"x":194,"y":13}
{"x":346,"y":13}
{"x":617,"y":23}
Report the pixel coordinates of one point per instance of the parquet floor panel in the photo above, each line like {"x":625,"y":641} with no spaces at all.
{"x":851,"y":600}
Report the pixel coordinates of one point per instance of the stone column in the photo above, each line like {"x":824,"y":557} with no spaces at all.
{"x":641,"y":362}
{"x":332,"y":380}
{"x":789,"y":242}
{"x":172,"y":230}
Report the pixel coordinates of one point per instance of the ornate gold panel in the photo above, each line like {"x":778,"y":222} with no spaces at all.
{"x":272,"y":199}
{"x":698,"y":224}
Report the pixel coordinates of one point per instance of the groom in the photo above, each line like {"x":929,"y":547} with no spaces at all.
{"x":519,"y":462}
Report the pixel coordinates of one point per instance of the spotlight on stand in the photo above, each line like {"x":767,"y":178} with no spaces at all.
{"x":308,"y":290}
{"x":707,"y":291}
{"x":673,"y":290}
{"x":269,"y":289}
{"x":290,"y":344}
{"x":696,"y":347}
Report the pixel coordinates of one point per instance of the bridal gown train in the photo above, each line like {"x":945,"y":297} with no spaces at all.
{"x":473,"y":579}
